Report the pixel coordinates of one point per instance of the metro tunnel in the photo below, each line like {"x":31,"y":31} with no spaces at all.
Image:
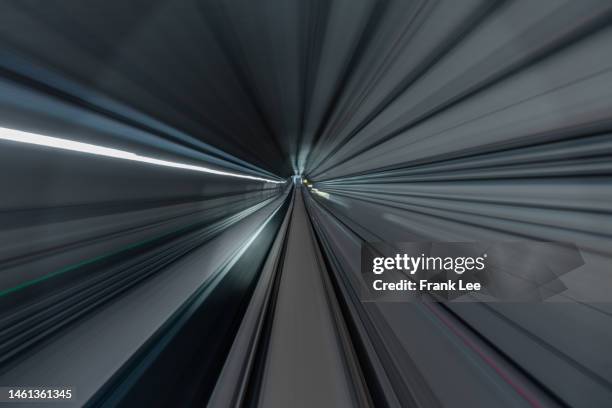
{"x":193,"y":192}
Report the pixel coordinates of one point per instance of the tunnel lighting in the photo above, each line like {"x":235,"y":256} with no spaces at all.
{"x":320,"y":193}
{"x":64,"y":144}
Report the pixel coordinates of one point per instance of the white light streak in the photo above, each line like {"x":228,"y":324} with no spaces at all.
{"x":64,"y":144}
{"x":321,"y":193}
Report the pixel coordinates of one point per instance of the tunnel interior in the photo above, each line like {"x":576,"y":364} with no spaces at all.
{"x":191,"y":189}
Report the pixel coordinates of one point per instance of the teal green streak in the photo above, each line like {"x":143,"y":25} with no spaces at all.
{"x":234,"y":218}
{"x":84,"y":263}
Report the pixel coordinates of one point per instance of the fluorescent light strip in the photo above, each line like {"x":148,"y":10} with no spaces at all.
{"x":64,"y":144}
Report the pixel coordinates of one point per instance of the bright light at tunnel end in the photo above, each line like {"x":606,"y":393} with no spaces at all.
{"x":65,"y":144}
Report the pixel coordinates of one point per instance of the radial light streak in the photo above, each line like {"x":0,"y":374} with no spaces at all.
{"x":65,"y":144}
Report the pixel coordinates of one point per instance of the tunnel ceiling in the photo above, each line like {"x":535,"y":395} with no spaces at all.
{"x":324,"y":88}
{"x":252,"y":78}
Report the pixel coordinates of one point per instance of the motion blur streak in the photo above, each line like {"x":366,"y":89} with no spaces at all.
{"x":57,"y":143}
{"x":310,"y":128}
